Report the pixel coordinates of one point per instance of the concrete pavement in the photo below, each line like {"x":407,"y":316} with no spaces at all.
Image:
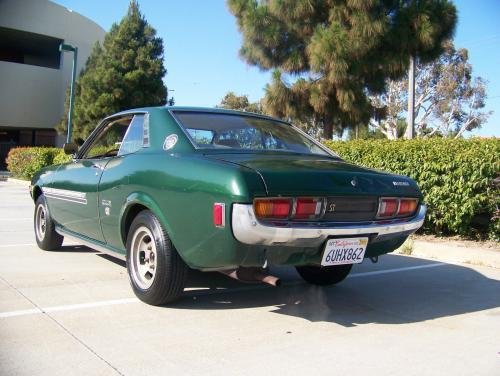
{"x":72,"y":312}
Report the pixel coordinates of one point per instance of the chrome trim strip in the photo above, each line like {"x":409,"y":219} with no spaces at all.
{"x":97,"y":247}
{"x":145,"y":131}
{"x":248,"y":230}
{"x":65,"y":195}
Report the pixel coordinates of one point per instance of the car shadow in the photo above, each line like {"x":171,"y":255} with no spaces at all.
{"x":76,"y":249}
{"x":114,"y":260}
{"x":414,"y":295}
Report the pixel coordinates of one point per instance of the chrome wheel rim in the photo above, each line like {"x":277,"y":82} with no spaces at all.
{"x":143,"y":257}
{"x":40,"y":222}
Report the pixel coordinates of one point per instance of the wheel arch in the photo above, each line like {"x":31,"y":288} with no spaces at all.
{"x":135,"y":203}
{"x":36,"y":192}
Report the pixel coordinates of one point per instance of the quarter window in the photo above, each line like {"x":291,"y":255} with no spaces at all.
{"x":133,"y":139}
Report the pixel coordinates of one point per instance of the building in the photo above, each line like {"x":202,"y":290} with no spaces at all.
{"x":34,"y":74}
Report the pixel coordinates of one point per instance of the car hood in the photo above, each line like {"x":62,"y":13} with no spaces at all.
{"x":298,"y":174}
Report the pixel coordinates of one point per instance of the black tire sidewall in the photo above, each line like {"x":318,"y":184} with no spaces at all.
{"x":160,"y":291}
{"x":52,"y":240}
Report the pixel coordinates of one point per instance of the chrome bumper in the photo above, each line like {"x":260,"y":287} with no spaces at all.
{"x":248,"y":230}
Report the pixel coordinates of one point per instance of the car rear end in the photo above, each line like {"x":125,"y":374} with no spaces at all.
{"x":314,"y":208}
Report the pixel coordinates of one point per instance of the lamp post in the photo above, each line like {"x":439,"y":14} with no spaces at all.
{"x":69,"y":48}
{"x":171,"y":100}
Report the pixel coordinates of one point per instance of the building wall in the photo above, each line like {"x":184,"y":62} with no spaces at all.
{"x":32,"y":97}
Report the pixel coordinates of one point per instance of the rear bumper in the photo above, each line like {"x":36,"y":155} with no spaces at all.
{"x":248,"y":230}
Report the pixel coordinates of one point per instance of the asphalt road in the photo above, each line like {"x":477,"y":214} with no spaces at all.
{"x":71,"y":312}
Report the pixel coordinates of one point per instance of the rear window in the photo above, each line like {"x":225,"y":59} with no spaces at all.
{"x":228,"y":131}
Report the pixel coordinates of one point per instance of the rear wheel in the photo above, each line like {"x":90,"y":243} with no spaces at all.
{"x":156,"y":271}
{"x":323,"y":276}
{"x":46,"y":236}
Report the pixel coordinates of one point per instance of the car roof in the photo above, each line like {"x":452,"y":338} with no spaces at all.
{"x":194,"y":109}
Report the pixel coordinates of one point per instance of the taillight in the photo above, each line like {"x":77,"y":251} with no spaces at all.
{"x":407,"y":206}
{"x":308,"y":208}
{"x":272,"y":208}
{"x":219,"y":214}
{"x":388,"y":207}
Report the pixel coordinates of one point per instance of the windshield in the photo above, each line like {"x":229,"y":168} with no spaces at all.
{"x":233,"y":131}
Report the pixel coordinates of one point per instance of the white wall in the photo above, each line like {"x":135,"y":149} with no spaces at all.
{"x":33,"y":96}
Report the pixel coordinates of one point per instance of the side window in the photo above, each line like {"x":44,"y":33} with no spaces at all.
{"x":109,"y":140}
{"x":133,"y":139}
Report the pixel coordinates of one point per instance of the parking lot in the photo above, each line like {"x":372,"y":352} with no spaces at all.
{"x":72,"y":312}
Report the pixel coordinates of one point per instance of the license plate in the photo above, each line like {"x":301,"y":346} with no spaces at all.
{"x":344,"y":251}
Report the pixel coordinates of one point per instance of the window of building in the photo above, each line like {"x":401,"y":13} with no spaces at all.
{"x":17,"y":46}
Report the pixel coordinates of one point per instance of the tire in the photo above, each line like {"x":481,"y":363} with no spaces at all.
{"x":324,"y":276}
{"x":45,"y":233}
{"x":158,"y":277}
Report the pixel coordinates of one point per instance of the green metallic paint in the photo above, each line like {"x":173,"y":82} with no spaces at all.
{"x":181,"y":185}
{"x":80,"y":176}
{"x":289,"y":175}
{"x":186,"y":201}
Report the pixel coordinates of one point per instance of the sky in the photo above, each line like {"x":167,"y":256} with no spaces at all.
{"x":201,"y":42}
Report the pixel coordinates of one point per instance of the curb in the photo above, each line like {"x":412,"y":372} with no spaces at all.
{"x":456,"y":253}
{"x":19,"y":181}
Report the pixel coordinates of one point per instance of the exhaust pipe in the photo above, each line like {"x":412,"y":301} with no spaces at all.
{"x":252,"y":275}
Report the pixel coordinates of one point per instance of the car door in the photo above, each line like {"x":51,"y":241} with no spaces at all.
{"x":73,"y":195}
{"x":114,"y":185}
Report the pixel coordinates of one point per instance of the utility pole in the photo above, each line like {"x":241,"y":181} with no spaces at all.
{"x":410,"y":120}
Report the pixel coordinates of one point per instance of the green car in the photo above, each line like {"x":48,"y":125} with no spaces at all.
{"x":173,"y":188}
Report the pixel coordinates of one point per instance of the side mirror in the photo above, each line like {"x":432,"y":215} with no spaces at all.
{"x":70,"y":148}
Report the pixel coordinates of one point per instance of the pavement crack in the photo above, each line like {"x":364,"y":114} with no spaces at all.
{"x":59,"y":324}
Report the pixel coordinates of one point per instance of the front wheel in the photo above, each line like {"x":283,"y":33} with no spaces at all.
{"x":324,"y":276}
{"x":45,"y":233}
{"x":156,"y":271}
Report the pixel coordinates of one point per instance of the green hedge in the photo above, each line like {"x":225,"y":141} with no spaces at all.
{"x":456,"y":178}
{"x":23,"y":162}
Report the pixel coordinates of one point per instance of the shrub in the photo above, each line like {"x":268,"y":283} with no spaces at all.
{"x":456,"y":178}
{"x":61,"y":157}
{"x":23,"y":162}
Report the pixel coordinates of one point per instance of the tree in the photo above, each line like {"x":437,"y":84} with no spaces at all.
{"x":126,"y":71}
{"x":339,"y":50}
{"x":448,"y":99}
{"x":286,"y":101}
{"x":239,"y":102}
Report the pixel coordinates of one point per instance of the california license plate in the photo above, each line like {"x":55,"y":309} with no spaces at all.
{"x":344,"y":251}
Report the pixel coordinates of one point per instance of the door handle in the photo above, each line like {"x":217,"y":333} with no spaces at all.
{"x":98,"y":167}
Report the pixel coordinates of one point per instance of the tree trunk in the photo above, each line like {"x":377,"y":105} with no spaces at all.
{"x":410,"y":127}
{"x":327,"y":129}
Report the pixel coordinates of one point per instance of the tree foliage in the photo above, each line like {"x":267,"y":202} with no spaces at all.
{"x":448,"y":99}
{"x":338,"y":50}
{"x":239,"y":102}
{"x":126,"y":71}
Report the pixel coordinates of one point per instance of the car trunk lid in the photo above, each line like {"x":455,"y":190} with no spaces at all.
{"x":288,"y":174}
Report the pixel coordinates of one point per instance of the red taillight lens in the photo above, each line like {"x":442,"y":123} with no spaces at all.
{"x":272,"y":208}
{"x":219,"y":214}
{"x":388,"y":207}
{"x":308,"y":208}
{"x":407,"y":206}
